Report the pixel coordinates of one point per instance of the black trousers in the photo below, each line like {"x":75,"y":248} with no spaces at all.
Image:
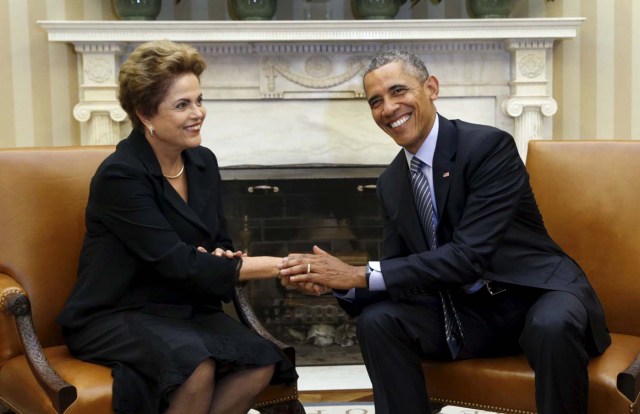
{"x":549,"y":327}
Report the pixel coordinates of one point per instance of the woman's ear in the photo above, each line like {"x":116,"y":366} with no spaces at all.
{"x":145,"y":120}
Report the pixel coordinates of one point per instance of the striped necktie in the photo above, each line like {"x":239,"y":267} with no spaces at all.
{"x":424,"y":205}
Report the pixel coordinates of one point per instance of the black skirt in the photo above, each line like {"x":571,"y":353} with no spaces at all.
{"x":151,"y":355}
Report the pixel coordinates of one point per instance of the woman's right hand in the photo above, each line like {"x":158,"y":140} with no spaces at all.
{"x":308,"y":288}
{"x":221,"y":252}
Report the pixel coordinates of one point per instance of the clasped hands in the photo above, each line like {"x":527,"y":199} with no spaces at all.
{"x":320,"y":272}
{"x":312,"y":274}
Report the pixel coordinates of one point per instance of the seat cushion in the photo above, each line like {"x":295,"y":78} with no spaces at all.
{"x":93,"y":382}
{"x":506,"y":384}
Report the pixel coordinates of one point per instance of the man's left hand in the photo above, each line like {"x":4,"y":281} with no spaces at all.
{"x":321,"y":268}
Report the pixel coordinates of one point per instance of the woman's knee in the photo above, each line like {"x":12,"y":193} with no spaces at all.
{"x":264,"y":374}
{"x":259,"y":377}
{"x":202,"y":377}
{"x":196,"y":391}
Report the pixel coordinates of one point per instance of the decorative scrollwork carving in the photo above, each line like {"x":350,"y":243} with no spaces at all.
{"x":15,"y":302}
{"x":549,"y":108}
{"x":98,"y":68}
{"x":81,"y":113}
{"x":515,"y":106}
{"x":531,"y":65}
{"x":61,"y":393}
{"x":247,"y":315}
{"x":118,"y":114}
{"x":318,"y":67}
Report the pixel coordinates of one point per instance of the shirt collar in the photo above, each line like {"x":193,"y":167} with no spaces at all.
{"x":428,"y":147}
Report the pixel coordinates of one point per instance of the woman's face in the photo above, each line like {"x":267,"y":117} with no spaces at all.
{"x":180,"y":115}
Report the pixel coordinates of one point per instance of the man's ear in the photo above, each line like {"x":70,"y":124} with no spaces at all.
{"x":432,"y":85}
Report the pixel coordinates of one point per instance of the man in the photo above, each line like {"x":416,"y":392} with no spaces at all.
{"x":468,"y":269}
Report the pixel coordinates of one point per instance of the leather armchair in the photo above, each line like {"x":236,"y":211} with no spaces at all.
{"x":589,"y":195}
{"x":43,"y":194}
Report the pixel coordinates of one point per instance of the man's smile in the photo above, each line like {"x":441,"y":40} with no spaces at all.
{"x":400,"y":121}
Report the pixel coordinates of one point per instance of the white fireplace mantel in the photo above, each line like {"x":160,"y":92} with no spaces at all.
{"x":289,"y":92}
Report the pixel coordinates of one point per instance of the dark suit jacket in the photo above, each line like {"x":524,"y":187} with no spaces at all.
{"x":489,"y":226}
{"x":139,"y":250}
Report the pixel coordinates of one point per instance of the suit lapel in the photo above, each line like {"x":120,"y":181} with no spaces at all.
{"x":402,"y":193}
{"x":443,"y":162}
{"x":200,"y":186}
{"x":194,"y":168}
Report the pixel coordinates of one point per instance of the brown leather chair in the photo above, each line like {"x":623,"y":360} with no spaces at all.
{"x":43,"y":194}
{"x":589,"y":194}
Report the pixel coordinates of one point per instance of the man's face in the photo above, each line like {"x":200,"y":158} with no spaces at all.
{"x":401,"y":105}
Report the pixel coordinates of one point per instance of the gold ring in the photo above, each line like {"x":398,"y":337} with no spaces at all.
{"x":308,"y":267}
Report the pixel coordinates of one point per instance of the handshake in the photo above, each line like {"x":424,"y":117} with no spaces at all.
{"x":320,"y":272}
{"x":313,"y":274}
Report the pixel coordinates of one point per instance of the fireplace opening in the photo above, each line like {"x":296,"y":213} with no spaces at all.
{"x":289,"y":212}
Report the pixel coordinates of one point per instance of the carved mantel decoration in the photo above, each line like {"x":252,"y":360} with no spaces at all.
{"x":295,"y":87}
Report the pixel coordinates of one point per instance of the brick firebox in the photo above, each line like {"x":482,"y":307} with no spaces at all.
{"x":290,"y":211}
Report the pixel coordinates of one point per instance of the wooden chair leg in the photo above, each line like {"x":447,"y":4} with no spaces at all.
{"x":288,"y":407}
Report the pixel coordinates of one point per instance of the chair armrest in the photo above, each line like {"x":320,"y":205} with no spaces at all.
{"x":14,"y":301}
{"x":629,"y":380}
{"x":7,"y":283}
{"x":248,"y":317}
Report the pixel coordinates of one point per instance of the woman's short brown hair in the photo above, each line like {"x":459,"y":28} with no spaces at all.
{"x":148,"y":73}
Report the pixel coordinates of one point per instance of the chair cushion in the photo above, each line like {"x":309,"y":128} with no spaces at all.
{"x":506,"y":384}
{"x":21,"y":391}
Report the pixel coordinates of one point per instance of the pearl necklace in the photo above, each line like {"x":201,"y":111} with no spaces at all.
{"x":171,"y":177}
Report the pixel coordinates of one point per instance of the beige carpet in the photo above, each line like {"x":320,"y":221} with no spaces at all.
{"x":367,"y":408}
{"x":459,"y":410}
{"x":364,"y":408}
{"x":339,"y":408}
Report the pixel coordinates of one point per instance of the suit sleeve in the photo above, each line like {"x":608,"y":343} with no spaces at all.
{"x":125,"y":200}
{"x":494,"y":180}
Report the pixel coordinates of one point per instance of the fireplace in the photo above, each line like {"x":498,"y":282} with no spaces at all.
{"x":334,"y":207}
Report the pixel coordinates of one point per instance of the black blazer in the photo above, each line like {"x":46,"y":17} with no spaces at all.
{"x":139,"y":250}
{"x":489,"y":225}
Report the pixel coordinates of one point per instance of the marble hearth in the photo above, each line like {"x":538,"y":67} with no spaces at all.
{"x":289,"y":92}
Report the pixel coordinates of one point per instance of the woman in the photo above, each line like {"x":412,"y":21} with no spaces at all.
{"x":157,"y":262}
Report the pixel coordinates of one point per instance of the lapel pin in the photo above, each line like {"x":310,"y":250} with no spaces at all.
{"x":445,"y":175}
